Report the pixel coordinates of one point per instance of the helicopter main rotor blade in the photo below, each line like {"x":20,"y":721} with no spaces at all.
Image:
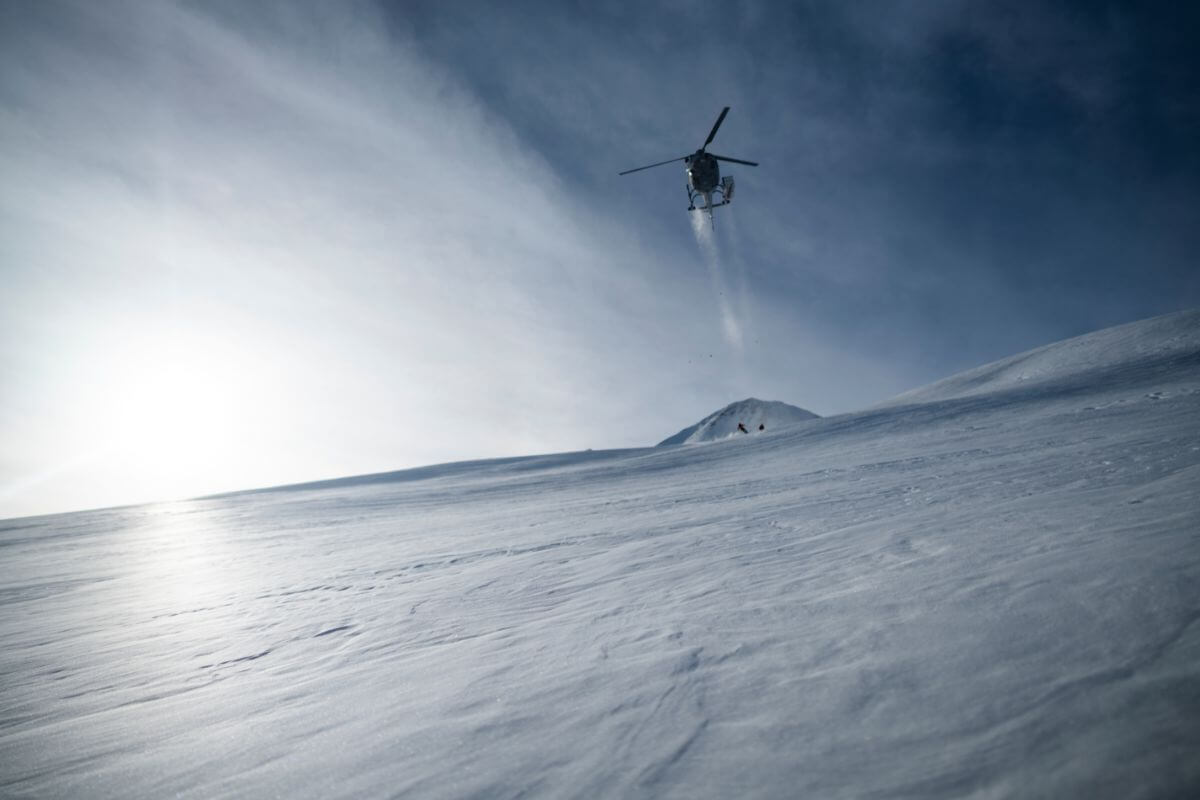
{"x":716,"y":125}
{"x":648,"y":166}
{"x":734,"y":160}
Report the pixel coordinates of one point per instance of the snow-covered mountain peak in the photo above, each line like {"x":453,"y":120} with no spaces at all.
{"x":754,"y":415}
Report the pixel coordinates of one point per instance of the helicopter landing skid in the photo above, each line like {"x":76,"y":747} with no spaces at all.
{"x":709,"y":208}
{"x":723,"y":190}
{"x":710,"y":205}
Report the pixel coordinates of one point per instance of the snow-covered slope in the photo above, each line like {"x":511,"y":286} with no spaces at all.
{"x":1084,"y":363}
{"x":995,"y":593}
{"x":751,"y":413}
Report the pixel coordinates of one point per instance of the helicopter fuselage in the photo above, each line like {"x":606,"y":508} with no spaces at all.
{"x":703,"y":173}
{"x":704,"y":180}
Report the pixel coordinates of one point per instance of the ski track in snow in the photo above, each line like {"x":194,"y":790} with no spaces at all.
{"x":987,"y":594}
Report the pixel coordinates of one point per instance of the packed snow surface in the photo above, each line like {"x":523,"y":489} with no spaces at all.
{"x":750,"y":413}
{"x":987,"y":589}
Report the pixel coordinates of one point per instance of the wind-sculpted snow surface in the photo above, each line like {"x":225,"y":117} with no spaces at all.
{"x":993,"y":594}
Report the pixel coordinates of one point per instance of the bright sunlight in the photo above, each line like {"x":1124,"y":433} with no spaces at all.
{"x":175,"y":410}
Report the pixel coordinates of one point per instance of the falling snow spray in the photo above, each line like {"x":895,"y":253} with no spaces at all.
{"x":702,"y":227}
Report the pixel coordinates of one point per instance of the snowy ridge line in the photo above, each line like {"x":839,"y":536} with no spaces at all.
{"x":1174,"y":340}
{"x":908,"y":410}
{"x":915,"y":412}
{"x":1177,"y":346}
{"x":1147,"y":343}
{"x":1091,"y":382}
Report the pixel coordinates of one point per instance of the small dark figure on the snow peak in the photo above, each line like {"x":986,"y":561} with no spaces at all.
{"x":742,"y":428}
{"x":762,"y":427}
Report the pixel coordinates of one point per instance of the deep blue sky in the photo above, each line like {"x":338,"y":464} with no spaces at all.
{"x":953,"y":180}
{"x":244,"y":244}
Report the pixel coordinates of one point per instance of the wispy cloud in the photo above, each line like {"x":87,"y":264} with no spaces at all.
{"x":392,"y":276}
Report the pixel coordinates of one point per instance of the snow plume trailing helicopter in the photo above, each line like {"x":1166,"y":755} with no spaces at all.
{"x":703,"y":174}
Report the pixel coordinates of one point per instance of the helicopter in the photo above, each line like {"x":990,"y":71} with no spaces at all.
{"x":703,"y":173}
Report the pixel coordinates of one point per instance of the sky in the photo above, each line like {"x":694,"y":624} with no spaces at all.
{"x":252,"y":244}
